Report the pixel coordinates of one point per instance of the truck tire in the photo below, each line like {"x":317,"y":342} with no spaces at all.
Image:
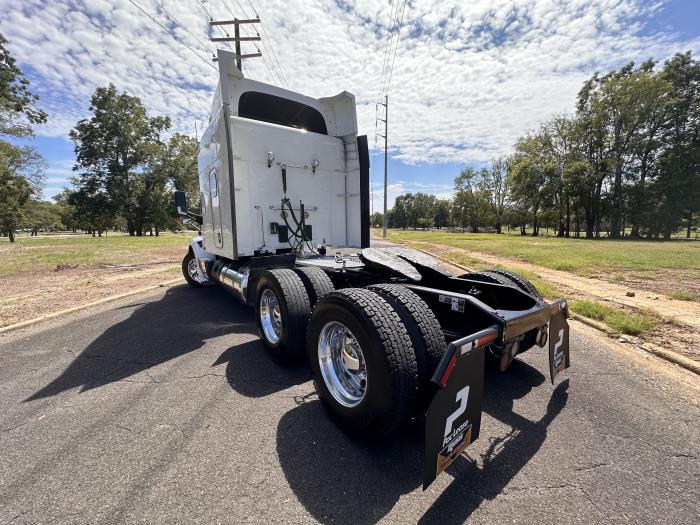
{"x":520,"y":282}
{"x":425,"y":333}
{"x":496,"y":275}
{"x":487,"y":276}
{"x":189,"y":270}
{"x":362,"y":361}
{"x":282,"y":313}
{"x":316,"y":281}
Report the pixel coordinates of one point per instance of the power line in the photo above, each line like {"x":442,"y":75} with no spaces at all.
{"x":183,"y":26}
{"x":386,"y":49}
{"x":272,"y":50}
{"x":398,"y":37}
{"x":270,"y":69}
{"x":222,"y":32}
{"x":173,"y":35}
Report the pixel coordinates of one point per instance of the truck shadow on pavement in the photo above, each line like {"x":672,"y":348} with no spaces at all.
{"x":340,"y":480}
{"x":251,"y":372}
{"x":156,"y":332}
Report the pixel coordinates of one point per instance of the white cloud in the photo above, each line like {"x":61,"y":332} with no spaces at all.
{"x":469,"y":77}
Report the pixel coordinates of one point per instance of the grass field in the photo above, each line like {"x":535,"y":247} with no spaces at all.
{"x":645,"y":267}
{"x":617,"y":319}
{"x":581,"y":256}
{"x":85,"y":251}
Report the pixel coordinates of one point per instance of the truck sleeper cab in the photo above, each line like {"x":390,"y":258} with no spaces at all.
{"x":389,"y":333}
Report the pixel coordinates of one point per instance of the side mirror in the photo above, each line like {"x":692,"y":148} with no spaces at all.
{"x":181,"y":203}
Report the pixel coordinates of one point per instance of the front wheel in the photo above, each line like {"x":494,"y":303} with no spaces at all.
{"x":190,"y":270}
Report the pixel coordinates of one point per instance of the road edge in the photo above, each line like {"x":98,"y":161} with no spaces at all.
{"x":111,"y":298}
{"x":682,"y":361}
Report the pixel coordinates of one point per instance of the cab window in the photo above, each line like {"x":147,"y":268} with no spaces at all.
{"x":277,"y":110}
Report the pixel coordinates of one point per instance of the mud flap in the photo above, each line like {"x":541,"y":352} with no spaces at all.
{"x":558,"y":340}
{"x":453,"y":418}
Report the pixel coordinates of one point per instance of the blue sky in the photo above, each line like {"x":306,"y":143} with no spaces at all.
{"x":468,"y":78}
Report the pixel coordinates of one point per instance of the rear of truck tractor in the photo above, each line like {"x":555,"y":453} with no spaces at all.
{"x":388,"y":333}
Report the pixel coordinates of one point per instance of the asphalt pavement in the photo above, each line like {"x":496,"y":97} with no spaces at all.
{"x":165,"y":408}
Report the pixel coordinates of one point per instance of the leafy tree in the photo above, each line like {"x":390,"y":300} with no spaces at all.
{"x":173,"y":166}
{"x":67,"y":211}
{"x":114,"y":147}
{"x":21,"y":168}
{"x":423,"y":210}
{"x":18,"y":111}
{"x":21,"y":177}
{"x":41,"y":216}
{"x":377,"y":219}
{"x":94,"y":210}
{"x":466,"y":199}
{"x":441,"y":213}
{"x":178,"y":161}
{"x":532,"y":175}
{"x":402,"y":205}
{"x":494,"y":184}
{"x":678,"y":183}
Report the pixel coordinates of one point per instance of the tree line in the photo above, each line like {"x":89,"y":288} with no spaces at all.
{"x":125,"y":169}
{"x":626,"y":163}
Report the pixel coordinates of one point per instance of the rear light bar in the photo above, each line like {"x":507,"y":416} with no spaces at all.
{"x":559,"y":305}
{"x":460,"y":347}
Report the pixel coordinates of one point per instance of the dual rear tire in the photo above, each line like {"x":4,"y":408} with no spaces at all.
{"x":284,"y":300}
{"x":371,"y":351}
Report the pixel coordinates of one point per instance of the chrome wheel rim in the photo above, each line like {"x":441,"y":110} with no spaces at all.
{"x":270,"y":316}
{"x":192,"y":269}
{"x":342,"y":364}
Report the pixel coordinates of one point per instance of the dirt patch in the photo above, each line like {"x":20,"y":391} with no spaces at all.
{"x":663,"y":282}
{"x":27,"y":296}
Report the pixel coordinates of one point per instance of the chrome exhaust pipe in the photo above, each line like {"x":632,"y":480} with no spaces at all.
{"x":233,"y":280}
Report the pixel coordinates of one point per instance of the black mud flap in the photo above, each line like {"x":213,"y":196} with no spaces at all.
{"x":453,"y":419}
{"x":558,"y":340}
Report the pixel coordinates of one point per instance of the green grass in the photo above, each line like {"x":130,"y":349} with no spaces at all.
{"x":617,"y":319}
{"x":682,"y":295}
{"x":581,"y":256}
{"x":41,"y":254}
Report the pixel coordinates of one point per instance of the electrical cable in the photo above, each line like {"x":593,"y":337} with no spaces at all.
{"x":272,"y":51}
{"x":173,"y":35}
{"x":299,"y":233}
{"x":183,"y":26}
{"x":386,"y":50}
{"x":221,"y":32}
{"x":245,"y":32}
{"x":398,"y":37}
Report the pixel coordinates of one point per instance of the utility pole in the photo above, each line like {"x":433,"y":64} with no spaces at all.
{"x":237,"y":38}
{"x":386,"y":151}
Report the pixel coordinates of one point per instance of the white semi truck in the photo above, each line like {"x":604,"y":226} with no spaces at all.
{"x":389,"y":334}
